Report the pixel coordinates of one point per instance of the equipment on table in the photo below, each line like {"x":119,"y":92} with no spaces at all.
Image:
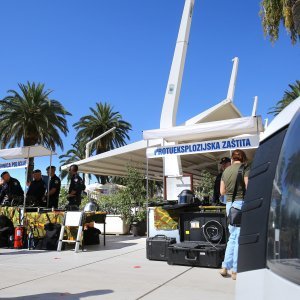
{"x":186,"y":197}
{"x":91,"y":206}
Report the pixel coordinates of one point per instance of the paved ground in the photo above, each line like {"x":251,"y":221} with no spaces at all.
{"x":119,"y":270}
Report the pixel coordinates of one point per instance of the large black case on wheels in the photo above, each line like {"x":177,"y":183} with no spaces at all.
{"x":203,"y":240}
{"x":157,"y":247}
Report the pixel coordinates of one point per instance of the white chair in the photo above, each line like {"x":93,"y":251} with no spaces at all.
{"x":73,"y":219}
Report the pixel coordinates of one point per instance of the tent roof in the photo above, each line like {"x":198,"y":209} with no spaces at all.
{"x":25,"y":152}
{"x":208,"y":130}
{"x":115,"y":162}
{"x":222,"y":111}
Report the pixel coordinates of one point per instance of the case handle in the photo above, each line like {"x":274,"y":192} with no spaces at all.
{"x":190,"y":259}
{"x":161,"y":235}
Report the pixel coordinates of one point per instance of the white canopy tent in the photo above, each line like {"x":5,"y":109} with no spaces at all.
{"x":27,"y":152}
{"x":207,"y":130}
{"x":115,"y":162}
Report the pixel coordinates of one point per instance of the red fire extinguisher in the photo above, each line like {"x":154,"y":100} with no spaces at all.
{"x":19,"y":237}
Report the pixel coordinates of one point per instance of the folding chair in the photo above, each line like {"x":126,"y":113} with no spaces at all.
{"x":75,"y":219}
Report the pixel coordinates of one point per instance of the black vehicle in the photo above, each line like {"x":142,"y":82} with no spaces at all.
{"x":269,"y":251}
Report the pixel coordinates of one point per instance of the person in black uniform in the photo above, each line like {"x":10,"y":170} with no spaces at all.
{"x":11,"y":192}
{"x":36,"y":191}
{"x":54,"y":187}
{"x":225,"y":162}
{"x":76,"y":186}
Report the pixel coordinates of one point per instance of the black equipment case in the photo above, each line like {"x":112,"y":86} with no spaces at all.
{"x":157,"y":247}
{"x":203,"y":240}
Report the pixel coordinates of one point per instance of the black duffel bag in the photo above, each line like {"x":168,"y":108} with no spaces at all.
{"x":50,"y":241}
{"x":91,"y":236}
{"x":6,"y":231}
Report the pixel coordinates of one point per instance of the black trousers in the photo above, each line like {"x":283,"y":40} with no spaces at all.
{"x":76,"y":200}
{"x":53,"y":202}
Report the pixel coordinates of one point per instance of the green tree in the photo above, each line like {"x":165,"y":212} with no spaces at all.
{"x":31,"y":117}
{"x":288,"y":97}
{"x":103,"y":118}
{"x":154,"y":186}
{"x":273,"y":12}
{"x":205,"y":185}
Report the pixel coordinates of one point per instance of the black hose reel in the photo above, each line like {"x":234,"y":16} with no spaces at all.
{"x":213,"y":231}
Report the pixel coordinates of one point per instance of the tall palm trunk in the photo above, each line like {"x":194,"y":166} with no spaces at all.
{"x":30,"y":169}
{"x":29,"y":142}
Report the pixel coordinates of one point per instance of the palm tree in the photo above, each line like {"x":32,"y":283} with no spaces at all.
{"x":72,"y":155}
{"x":288,"y":97}
{"x":273,"y":12}
{"x":31,"y":117}
{"x":102,"y":119}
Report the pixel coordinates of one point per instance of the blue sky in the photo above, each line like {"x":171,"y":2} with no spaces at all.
{"x":121,"y":51}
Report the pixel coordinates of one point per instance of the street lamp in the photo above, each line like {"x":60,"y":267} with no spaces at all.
{"x":87,"y":148}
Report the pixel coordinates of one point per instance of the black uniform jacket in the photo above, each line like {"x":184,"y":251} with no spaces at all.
{"x":37,"y":190}
{"x":11,"y":189}
{"x":55,"y":183}
{"x":76,"y":185}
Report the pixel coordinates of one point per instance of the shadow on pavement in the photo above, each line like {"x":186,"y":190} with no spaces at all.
{"x":17,"y":252}
{"x":54,"y":296}
{"x":113,"y":242}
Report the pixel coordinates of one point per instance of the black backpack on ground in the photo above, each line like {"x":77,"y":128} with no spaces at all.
{"x":6,"y":231}
{"x":50,"y":241}
{"x":91,"y":236}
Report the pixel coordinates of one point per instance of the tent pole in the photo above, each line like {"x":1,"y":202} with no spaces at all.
{"x":49,"y":178}
{"x":26,"y":175}
{"x":147,"y":190}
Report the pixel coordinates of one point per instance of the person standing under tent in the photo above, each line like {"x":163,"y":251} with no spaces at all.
{"x":225,"y":163}
{"x":11,"y":192}
{"x":227,"y":187}
{"x":54,"y":187}
{"x":76,"y":187}
{"x":36,"y":191}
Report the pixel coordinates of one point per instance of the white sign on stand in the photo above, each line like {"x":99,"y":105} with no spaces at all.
{"x":174,"y":186}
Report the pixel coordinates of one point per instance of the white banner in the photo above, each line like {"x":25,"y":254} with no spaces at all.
{"x":13,"y":164}
{"x":243,"y":142}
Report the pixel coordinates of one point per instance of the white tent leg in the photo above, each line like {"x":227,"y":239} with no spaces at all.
{"x":49,"y":178}
{"x":26,"y":175}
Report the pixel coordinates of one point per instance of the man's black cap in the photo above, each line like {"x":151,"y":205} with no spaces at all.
{"x":225,"y":160}
{"x":51,"y":167}
{"x":36,"y":171}
{"x":3,"y":173}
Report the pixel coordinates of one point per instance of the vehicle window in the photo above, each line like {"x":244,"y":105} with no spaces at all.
{"x":283,"y":251}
